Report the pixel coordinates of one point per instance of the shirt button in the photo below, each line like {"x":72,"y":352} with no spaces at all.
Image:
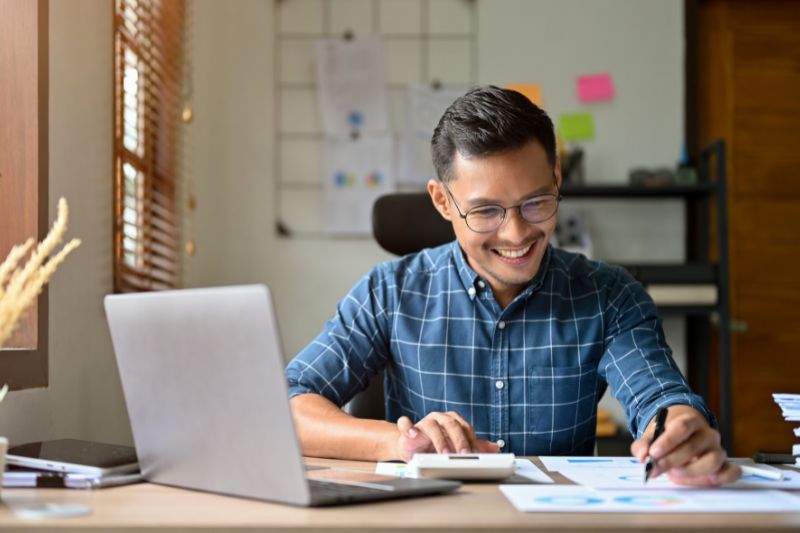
{"x":481,"y":284}
{"x":499,"y":384}
{"x":501,"y":325}
{"x":501,"y":443}
{"x":471,"y":292}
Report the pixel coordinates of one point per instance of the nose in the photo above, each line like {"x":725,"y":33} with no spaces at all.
{"x":514,"y":227}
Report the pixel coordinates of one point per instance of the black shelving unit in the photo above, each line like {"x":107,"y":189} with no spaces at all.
{"x":710,"y":190}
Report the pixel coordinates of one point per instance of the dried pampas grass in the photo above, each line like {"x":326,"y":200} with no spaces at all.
{"x":20,"y":285}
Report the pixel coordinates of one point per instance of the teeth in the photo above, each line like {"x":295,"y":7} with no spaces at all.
{"x":513,"y":254}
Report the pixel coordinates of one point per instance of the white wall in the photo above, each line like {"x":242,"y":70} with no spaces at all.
{"x":84,"y":397}
{"x":233,"y":160}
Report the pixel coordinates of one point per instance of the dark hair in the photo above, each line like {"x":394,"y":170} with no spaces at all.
{"x":489,"y":120}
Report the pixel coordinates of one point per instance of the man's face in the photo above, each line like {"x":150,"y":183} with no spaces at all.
{"x":508,"y":257}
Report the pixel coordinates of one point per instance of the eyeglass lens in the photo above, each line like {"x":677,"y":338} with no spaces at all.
{"x":489,"y":217}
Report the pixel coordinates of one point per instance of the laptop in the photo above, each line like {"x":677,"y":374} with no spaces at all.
{"x":202,"y":372}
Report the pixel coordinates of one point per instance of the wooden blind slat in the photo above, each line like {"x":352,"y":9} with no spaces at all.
{"x":156,"y":40}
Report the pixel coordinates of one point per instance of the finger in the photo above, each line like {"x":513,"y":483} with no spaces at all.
{"x":469,"y":431}
{"x":697,"y":445}
{"x":486,"y":446}
{"x":420,"y":444}
{"x":406,"y":428}
{"x":706,"y":464}
{"x":455,"y":433}
{"x":639,"y":449}
{"x":436,"y":433}
{"x":676,"y":431}
{"x":727,"y":474}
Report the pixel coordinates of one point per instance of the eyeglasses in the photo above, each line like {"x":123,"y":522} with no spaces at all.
{"x":489,"y":217}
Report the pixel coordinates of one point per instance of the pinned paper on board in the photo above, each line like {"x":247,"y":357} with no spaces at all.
{"x":575,"y":127}
{"x":532,"y":90}
{"x":595,"y":88}
{"x":357,"y":172}
{"x":426,"y":105}
{"x":352,"y":86}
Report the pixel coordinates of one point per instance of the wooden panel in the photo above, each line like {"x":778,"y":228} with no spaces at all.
{"x":764,"y":153}
{"x":764,"y":223}
{"x":759,"y":424}
{"x":766,"y":91}
{"x":23,"y":169}
{"x":770,"y":47}
{"x":748,"y":81}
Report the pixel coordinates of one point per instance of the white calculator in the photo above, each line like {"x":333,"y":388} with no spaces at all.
{"x":478,"y":466}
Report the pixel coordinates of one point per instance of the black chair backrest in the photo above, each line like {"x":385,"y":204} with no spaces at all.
{"x":404,"y":223}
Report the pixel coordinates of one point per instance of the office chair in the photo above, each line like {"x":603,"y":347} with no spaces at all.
{"x":402,"y":223}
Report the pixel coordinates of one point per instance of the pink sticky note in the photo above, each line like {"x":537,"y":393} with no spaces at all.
{"x":595,"y":88}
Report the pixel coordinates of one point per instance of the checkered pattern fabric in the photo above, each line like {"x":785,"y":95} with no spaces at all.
{"x":530,"y":374}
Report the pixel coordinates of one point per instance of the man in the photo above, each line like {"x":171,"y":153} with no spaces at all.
{"x":497,"y":341}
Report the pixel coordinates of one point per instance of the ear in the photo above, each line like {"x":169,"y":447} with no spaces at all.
{"x":557,"y":173}
{"x":439,"y":199}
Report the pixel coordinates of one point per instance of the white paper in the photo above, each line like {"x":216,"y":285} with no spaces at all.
{"x":522,"y":467}
{"x":352,"y":86}
{"x":575,"y":499}
{"x":357,"y":172}
{"x":525,"y":468}
{"x":426,"y":106}
{"x":557,"y":463}
{"x":633,"y":479}
{"x":395,"y":469}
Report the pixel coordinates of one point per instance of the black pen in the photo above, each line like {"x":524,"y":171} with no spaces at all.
{"x":661,"y":418}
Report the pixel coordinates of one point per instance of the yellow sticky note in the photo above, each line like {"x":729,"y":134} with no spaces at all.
{"x":532,"y":90}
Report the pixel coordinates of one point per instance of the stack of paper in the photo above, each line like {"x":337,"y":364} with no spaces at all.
{"x":790,"y":406}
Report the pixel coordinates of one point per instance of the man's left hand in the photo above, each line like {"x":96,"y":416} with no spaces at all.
{"x":688,"y":451}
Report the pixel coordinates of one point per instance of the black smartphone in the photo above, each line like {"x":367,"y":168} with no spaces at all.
{"x":776,"y":458}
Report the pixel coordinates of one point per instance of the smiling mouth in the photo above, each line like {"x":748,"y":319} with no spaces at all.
{"x":515,"y":255}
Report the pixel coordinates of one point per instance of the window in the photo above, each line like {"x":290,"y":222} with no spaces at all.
{"x":148,"y":58}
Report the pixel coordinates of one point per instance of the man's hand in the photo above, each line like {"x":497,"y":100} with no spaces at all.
{"x":689,"y":450}
{"x":440,"y":433}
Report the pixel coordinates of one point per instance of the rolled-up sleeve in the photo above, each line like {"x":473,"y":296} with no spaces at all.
{"x":637,"y":362}
{"x":351,"y":349}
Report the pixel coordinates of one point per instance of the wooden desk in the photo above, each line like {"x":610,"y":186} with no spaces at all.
{"x":475,"y":508}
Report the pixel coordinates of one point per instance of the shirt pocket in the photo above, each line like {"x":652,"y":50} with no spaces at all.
{"x":561,"y":408}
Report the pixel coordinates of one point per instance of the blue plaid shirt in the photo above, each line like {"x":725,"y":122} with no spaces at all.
{"x":530,"y":374}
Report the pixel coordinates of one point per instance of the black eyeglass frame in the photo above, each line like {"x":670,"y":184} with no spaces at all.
{"x":558,"y":197}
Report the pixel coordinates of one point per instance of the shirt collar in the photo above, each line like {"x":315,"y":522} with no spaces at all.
{"x":469,"y":278}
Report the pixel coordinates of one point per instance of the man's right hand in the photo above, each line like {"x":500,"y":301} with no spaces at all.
{"x":440,"y":433}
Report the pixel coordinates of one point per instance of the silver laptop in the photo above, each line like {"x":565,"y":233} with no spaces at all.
{"x":202,"y":374}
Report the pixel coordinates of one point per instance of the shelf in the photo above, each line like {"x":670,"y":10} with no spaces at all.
{"x":677,"y":274}
{"x":686,"y":310}
{"x":638,"y":191}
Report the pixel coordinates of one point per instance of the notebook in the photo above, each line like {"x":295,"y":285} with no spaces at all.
{"x":202,"y":375}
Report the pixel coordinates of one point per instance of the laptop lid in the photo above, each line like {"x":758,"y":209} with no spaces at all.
{"x":203,"y":378}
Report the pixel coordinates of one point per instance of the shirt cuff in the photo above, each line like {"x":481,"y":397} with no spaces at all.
{"x":296,"y":389}
{"x":647,"y":414}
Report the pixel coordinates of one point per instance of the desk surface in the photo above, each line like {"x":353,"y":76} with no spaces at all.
{"x":475,"y":508}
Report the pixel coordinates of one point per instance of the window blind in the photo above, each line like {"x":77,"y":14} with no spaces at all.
{"x":148,"y":59}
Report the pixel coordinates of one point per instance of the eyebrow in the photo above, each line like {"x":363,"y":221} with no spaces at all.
{"x":476,"y":202}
